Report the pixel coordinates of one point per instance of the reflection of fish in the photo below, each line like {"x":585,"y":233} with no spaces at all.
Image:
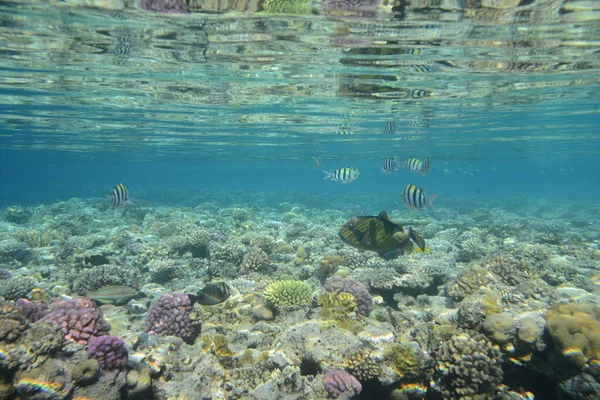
{"x":111,"y":294}
{"x":344,"y":175}
{"x":211,"y":294}
{"x":390,"y":127}
{"x":418,"y":166}
{"x":379,"y":234}
{"x":415,"y":197}
{"x":119,"y":196}
{"x":317,"y":162}
{"x":389,"y":165}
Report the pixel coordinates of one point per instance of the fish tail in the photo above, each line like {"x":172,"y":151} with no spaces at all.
{"x":328,"y":174}
{"x":430,"y":200}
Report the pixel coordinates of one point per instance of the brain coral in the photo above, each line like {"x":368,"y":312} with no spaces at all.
{"x":291,"y":294}
{"x":575,"y":330}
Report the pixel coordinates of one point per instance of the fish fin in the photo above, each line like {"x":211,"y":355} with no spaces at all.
{"x":103,"y":301}
{"x":429,"y":201}
{"x":193,"y":298}
{"x":415,"y":237}
{"x":328,"y":175}
{"x":383,"y":216}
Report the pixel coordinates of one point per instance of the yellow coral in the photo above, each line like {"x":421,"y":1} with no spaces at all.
{"x":575,"y":329}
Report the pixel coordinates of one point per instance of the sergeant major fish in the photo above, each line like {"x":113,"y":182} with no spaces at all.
{"x":418,"y":166}
{"x":414,"y":197}
{"x":211,"y":294}
{"x":119,"y":196}
{"x":389,"y":165}
{"x":379,"y":234}
{"x":344,"y":175}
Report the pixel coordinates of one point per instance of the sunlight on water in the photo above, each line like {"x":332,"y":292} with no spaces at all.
{"x":208,"y":75}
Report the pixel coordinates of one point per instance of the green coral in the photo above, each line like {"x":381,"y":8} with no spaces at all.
{"x":288,"y":293}
{"x":340,"y":307}
{"x":404,"y":359}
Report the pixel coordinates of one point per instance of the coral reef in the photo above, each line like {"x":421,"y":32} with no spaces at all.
{"x":79,"y":319}
{"x":288,"y":294}
{"x":341,"y":383}
{"x":256,"y":260}
{"x":170,"y":315}
{"x":363,"y":365}
{"x":17,"y":288}
{"x":467,"y":366}
{"x":469,"y":281}
{"x":86,"y":372}
{"x":362,"y":297}
{"x":101,"y":276}
{"x":575,"y":331}
{"x":12,"y":323}
{"x":164,"y":6}
{"x":110,"y":351}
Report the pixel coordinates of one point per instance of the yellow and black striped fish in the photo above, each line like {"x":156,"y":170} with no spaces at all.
{"x":414,"y":197}
{"x":119,"y":196}
{"x":379,"y":234}
{"x":344,"y":175}
{"x":418,"y":166}
{"x":211,"y":294}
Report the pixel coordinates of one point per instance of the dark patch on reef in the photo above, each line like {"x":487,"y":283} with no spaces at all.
{"x":96,"y":260}
{"x":531,"y":381}
{"x":374,"y":389}
{"x":309,"y":366}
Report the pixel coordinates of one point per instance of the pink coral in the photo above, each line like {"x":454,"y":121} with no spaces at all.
{"x":109,"y":350}
{"x":79,"y":319}
{"x":338,"y":383}
{"x":170,"y":315}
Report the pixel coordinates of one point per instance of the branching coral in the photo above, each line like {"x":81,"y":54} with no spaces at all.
{"x":292,"y":294}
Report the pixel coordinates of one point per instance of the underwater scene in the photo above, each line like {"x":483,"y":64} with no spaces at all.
{"x":299,"y":199}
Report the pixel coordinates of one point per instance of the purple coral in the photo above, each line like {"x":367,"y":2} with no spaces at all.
{"x":362,"y":297}
{"x":109,"y":350}
{"x":32,"y":310}
{"x":355,"y":8}
{"x":164,"y":6}
{"x":170,"y":315}
{"x":338,"y":381}
{"x":79,"y":319}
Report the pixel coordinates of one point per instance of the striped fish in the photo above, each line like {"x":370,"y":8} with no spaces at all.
{"x":389,"y":165}
{"x":418,"y":166}
{"x":112,"y":294}
{"x":211,"y":294}
{"x":344,"y":175}
{"x":414,"y":197}
{"x":390,"y":127}
{"x":419,"y":93}
{"x":119,"y":196}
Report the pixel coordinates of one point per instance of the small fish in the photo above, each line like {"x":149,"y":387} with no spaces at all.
{"x":112,"y":294}
{"x":418,"y":166}
{"x":211,"y":294}
{"x":389,"y":165}
{"x":317,"y":162}
{"x":119,"y":196}
{"x":419,"y":93}
{"x":344,"y":131}
{"x":414,"y":197}
{"x":344,"y":175}
{"x":390,"y":127}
